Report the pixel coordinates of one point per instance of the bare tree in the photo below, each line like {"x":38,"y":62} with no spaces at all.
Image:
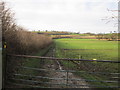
{"x":112,"y":18}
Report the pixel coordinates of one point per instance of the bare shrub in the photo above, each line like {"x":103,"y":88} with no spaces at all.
{"x":18,"y":39}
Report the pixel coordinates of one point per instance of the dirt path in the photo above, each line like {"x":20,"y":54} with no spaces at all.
{"x":55,"y":65}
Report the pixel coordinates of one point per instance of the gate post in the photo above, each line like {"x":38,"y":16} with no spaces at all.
{"x":4,"y":62}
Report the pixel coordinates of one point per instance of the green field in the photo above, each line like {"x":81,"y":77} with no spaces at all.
{"x":90,"y":49}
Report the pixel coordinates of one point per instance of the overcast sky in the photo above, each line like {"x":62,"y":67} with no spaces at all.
{"x":64,"y":15}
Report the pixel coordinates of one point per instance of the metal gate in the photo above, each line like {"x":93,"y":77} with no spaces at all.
{"x":83,"y":75}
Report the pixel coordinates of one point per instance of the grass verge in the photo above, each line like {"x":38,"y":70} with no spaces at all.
{"x":32,"y":63}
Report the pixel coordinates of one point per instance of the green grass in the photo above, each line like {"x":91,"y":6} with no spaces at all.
{"x":91,"y":49}
{"x":101,"y":49}
{"x":87,"y":44}
{"x":34,"y":63}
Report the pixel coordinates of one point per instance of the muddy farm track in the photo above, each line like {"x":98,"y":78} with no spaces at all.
{"x":55,"y":65}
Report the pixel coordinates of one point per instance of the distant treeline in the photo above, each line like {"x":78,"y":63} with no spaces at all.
{"x":18,"y":39}
{"x":53,"y":33}
{"x":61,"y":34}
{"x":110,"y":36}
